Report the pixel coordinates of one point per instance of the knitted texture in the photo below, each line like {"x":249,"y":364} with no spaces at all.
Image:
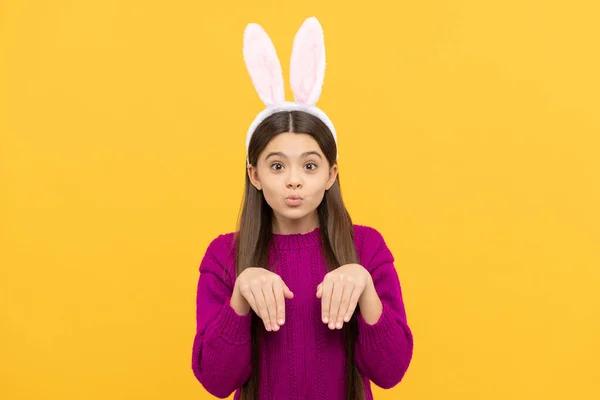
{"x":304,"y":359}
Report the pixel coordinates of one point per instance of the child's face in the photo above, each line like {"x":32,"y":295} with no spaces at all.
{"x":291,"y":172}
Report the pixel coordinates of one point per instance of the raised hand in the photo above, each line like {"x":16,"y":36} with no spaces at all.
{"x":265,"y":292}
{"x":340,"y":292}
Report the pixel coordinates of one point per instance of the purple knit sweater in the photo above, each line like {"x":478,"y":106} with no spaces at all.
{"x":304,"y":359}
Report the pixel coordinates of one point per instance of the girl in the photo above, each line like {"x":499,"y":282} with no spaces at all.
{"x":299,"y":302}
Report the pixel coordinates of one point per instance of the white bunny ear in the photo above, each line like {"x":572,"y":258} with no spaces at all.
{"x":263,"y":65}
{"x":307,"y":67}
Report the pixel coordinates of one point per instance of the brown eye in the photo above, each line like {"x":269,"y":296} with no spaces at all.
{"x":276,"y":164}
{"x":312,"y":164}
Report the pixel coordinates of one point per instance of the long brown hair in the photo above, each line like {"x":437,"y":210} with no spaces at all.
{"x":254,"y":231}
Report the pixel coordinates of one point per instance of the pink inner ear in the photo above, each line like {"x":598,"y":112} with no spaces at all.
{"x":263,"y":65}
{"x":307,"y":65}
{"x":305,"y":81}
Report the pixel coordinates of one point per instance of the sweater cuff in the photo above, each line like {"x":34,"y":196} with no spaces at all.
{"x":379,"y":334}
{"x":231,"y":326}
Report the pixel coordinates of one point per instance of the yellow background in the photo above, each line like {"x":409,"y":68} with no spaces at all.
{"x":468,"y":135}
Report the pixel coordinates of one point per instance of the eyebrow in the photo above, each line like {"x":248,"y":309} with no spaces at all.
{"x":280,"y":154}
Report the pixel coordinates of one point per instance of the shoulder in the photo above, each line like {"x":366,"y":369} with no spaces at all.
{"x":220,"y":253}
{"x":367,"y":235}
{"x":371,"y":247}
{"x":221,"y":245}
{"x":367,"y":238}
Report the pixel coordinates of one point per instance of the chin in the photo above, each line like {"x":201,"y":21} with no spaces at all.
{"x":293,"y":213}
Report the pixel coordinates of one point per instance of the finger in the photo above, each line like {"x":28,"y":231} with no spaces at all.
{"x":326,"y":299}
{"x":336,"y":296}
{"x":319,"y":290}
{"x":247,"y":294}
{"x":278,"y":289}
{"x":270,"y":301}
{"x":353,"y":303}
{"x":287,"y":293}
{"x":261,"y":304}
{"x":346,"y":294}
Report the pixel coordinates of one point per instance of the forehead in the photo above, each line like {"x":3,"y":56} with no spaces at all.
{"x":292,"y":144}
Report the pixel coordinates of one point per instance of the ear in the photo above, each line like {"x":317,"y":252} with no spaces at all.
{"x":307,"y":66}
{"x":253,"y":176}
{"x":263,"y":65}
{"x":333,"y":172}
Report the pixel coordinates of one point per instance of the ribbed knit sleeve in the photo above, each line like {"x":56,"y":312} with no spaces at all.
{"x":384,"y":350}
{"x":221,"y":354}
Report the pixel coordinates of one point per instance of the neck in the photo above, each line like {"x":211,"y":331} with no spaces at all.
{"x":302,"y":226}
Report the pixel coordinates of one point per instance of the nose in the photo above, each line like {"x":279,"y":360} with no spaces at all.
{"x":293,"y":181}
{"x":294,"y":184}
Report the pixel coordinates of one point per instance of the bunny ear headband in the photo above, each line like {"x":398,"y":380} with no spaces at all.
{"x":307,"y":70}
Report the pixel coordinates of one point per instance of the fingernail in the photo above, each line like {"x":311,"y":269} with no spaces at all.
{"x":281,"y":321}
{"x":275,"y":327}
{"x":331,"y":325}
{"x":325,"y":319}
{"x":347,"y":318}
{"x":268,"y":327}
{"x":338,"y":325}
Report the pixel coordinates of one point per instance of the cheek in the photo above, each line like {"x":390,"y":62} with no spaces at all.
{"x":270,"y":193}
{"x":318,"y":197}
{"x":318,"y":185}
{"x":315,"y":193}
